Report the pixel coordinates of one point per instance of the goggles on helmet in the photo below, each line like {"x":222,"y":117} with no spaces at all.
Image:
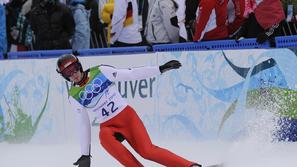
{"x":70,"y":70}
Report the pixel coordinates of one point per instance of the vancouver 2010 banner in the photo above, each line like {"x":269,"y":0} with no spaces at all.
{"x":222,"y":94}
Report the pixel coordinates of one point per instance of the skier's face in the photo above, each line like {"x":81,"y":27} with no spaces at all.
{"x":76,"y":76}
{"x":73,"y":72}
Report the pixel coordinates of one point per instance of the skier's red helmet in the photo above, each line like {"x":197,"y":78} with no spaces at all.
{"x":67,"y":64}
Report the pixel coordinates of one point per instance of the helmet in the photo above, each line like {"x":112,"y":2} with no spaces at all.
{"x":67,"y":64}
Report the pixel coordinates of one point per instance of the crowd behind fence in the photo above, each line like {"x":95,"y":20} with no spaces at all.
{"x":33,"y":25}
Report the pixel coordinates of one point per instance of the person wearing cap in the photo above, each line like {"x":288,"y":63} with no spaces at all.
{"x":93,"y":90}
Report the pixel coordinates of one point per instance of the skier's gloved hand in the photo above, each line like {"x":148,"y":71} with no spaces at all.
{"x":173,"y":64}
{"x":119,"y":137}
{"x":83,"y":161}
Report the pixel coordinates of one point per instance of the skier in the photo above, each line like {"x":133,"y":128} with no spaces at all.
{"x":94,"y":90}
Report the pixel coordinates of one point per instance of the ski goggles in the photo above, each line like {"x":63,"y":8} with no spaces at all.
{"x":70,"y":70}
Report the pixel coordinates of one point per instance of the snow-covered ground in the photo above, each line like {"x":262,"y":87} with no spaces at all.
{"x":254,"y":149}
{"x":234,"y":154}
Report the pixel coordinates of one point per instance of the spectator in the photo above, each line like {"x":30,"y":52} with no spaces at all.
{"x":181,"y":17}
{"x":235,"y":15}
{"x":162,"y":22}
{"x":106,"y":16}
{"x":142,"y":14}
{"x":82,"y":34}
{"x":19,"y":34}
{"x":52,"y":23}
{"x":264,"y":22}
{"x":101,"y":4}
{"x":125,"y":24}
{"x":290,"y":8}
{"x":3,"y":40}
{"x":191,"y":8}
{"x":3,"y":2}
{"x":269,"y":14}
{"x":98,"y":35}
{"x":26,"y":7}
{"x":286,"y":5}
{"x":211,"y":19}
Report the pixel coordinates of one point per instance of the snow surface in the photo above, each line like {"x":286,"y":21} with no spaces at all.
{"x":255,"y":149}
{"x":232,"y":154}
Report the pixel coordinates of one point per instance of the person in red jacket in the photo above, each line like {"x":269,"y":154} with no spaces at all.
{"x":264,"y":22}
{"x":269,"y":14}
{"x":236,"y":16}
{"x":211,"y":20}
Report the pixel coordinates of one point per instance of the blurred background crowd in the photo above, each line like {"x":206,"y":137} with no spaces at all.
{"x":83,"y":24}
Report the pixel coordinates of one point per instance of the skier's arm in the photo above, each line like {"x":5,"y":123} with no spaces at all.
{"x":84,"y":131}
{"x":85,"y":139}
{"x":84,"y":126}
{"x":114,"y":74}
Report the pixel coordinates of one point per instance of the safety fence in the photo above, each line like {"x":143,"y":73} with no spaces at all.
{"x":83,"y":52}
{"x":251,"y":43}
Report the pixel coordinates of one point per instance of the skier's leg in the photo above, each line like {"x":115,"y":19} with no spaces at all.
{"x":138,"y":138}
{"x":116,"y":148}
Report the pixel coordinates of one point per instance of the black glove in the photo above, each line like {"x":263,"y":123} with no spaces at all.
{"x":173,"y":64}
{"x":83,"y":161}
{"x":119,"y":136}
{"x":264,"y":36}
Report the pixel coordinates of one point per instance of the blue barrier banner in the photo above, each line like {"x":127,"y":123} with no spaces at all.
{"x":286,"y":41}
{"x":250,"y":43}
{"x":224,"y":94}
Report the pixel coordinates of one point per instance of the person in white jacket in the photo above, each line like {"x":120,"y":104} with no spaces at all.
{"x":94,"y":90}
{"x":125,"y":24}
{"x":181,"y":17}
{"x":162,"y":22}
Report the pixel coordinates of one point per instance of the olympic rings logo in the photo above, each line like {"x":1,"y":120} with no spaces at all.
{"x":91,"y":90}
